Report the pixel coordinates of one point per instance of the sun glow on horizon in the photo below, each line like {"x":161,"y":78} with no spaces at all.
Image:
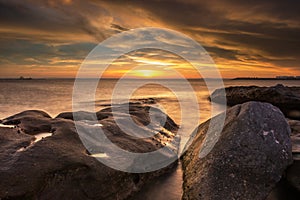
{"x":146,"y":73}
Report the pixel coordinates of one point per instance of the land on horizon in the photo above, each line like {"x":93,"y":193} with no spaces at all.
{"x":237,"y":78}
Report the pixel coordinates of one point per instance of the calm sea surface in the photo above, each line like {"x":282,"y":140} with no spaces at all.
{"x":55,"y":96}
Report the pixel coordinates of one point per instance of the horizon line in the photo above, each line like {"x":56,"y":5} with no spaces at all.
{"x":107,"y":78}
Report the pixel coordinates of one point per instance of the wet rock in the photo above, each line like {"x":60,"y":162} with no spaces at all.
{"x":148,"y":100}
{"x":285,"y":98}
{"x":246,"y":162}
{"x":31,"y":121}
{"x":60,"y":167}
{"x":292,"y":173}
{"x":295,"y":136}
{"x":31,"y":113}
{"x":83,"y":115}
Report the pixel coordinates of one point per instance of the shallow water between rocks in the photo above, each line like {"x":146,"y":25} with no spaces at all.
{"x":167,"y":187}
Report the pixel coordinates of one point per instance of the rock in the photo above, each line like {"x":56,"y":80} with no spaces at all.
{"x":83,"y":115}
{"x":30,"y":121}
{"x":295,"y":136}
{"x":295,"y":126}
{"x":30,"y":113}
{"x":247,"y":161}
{"x":86,"y":116}
{"x":292,"y":173}
{"x":60,"y":167}
{"x":285,"y":98}
{"x":148,"y":101}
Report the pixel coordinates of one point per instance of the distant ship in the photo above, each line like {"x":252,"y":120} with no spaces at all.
{"x":24,"y":78}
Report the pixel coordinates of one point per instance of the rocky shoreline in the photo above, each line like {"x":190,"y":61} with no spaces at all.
{"x":256,"y":155}
{"x":60,"y":167}
{"x":287,"y":99}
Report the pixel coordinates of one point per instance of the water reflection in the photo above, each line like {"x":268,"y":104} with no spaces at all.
{"x":168,"y":186}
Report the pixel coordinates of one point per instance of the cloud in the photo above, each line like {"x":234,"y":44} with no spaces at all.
{"x":24,"y":53}
{"x":266,"y":31}
{"x":118,"y":28}
{"x":57,"y":17}
{"x":251,"y":36}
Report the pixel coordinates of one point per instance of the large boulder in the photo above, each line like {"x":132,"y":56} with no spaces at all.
{"x":285,"y":98}
{"x":249,"y":158}
{"x":60,"y":167}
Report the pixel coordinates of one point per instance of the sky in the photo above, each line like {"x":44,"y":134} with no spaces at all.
{"x":51,"y":38}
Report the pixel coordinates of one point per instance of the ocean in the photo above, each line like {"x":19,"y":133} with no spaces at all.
{"x":55,"y":96}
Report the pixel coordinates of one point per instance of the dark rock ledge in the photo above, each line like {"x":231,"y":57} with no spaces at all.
{"x":287,"y":99}
{"x":59,"y":166}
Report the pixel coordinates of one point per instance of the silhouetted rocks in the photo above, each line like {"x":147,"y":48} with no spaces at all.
{"x":247,"y":161}
{"x":285,"y":98}
{"x":60,"y":167}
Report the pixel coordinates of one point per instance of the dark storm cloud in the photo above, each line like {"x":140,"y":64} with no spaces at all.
{"x":25,"y":52}
{"x":46,"y":33}
{"x":19,"y":14}
{"x":54,"y":17}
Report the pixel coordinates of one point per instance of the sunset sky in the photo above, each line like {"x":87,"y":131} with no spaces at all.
{"x":51,"y":38}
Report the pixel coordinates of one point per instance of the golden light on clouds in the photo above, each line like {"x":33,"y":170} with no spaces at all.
{"x":39,"y":37}
{"x":153,"y":61}
{"x":150,"y":63}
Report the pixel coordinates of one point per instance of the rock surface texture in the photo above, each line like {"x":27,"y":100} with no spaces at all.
{"x":247,"y":161}
{"x":293,"y":172}
{"x":59,"y":166}
{"x":285,"y":98}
